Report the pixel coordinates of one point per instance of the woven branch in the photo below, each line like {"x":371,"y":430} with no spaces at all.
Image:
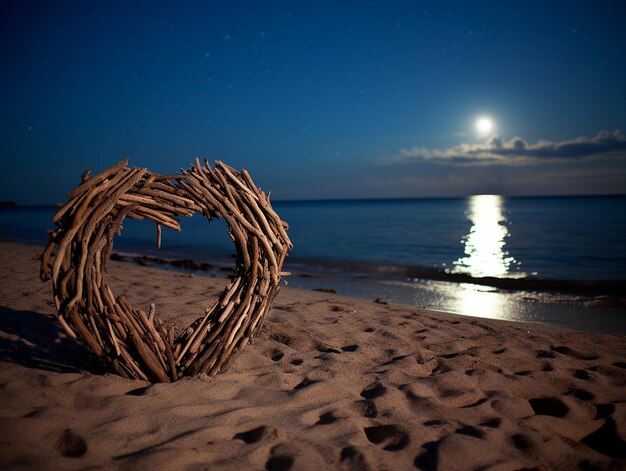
{"x":137,"y":344}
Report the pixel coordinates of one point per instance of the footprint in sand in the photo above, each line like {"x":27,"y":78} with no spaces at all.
{"x":393,"y":436}
{"x":281,"y":458}
{"x":281,"y":338}
{"x":251,"y":436}
{"x":479,"y":402}
{"x":549,"y":406}
{"x":350,"y":348}
{"x":607,"y":441}
{"x":367,"y":408}
{"x":545,"y":354}
{"x":441,"y":368}
{"x":395,"y":359}
{"x":428,"y":459}
{"x":275,"y":354}
{"x":374,"y":390}
{"x":581,"y":394}
{"x":327,"y":418}
{"x":327,"y":348}
{"x":523,"y":373}
{"x":604,"y":410}
{"x":521,"y":442}
{"x":279,"y":463}
{"x":72,"y":445}
{"x":434,"y":422}
{"x":354,"y":458}
{"x":470,"y":431}
{"x":138,"y":391}
{"x":582,"y":374}
{"x":491,"y":423}
{"x":574,"y":353}
{"x":306,"y":382}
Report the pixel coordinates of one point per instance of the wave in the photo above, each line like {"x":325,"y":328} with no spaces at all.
{"x":310,"y":267}
{"x":390,"y":273}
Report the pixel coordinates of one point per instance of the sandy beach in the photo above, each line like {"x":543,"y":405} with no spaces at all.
{"x":330,"y":383}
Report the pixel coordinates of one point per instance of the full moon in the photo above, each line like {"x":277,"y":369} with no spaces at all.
{"x":484,"y":125}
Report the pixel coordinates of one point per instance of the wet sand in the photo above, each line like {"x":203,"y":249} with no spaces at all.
{"x":330,"y":383}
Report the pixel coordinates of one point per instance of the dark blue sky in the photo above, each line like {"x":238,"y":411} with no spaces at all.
{"x":318,"y":100}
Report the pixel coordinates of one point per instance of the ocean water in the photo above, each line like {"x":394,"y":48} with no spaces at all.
{"x":428,"y":252}
{"x":486,"y":235}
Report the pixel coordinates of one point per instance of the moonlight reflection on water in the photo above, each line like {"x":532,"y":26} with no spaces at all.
{"x":485,"y":253}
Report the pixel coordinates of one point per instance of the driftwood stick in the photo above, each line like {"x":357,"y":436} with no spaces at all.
{"x":150,"y":326}
{"x":196,"y":331}
{"x":158,"y":229}
{"x":148,"y":357}
{"x":113,"y":338}
{"x":68,"y":330}
{"x":151,"y":312}
{"x":44,"y":272}
{"x":98,"y":178}
{"x":133,"y":366}
{"x":84,"y":333}
{"x":173,"y":372}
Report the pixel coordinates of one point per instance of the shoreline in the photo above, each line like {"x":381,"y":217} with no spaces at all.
{"x":612,"y":290}
{"x":580,"y":312}
{"x":574,"y":311}
{"x":331,"y":382}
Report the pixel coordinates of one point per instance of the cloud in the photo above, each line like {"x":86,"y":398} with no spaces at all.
{"x":519,"y":152}
{"x":584,"y":178}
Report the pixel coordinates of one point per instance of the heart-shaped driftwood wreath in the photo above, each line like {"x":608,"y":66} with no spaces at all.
{"x":136,"y":344}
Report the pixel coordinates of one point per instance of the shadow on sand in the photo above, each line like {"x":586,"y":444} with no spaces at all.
{"x":35,"y":340}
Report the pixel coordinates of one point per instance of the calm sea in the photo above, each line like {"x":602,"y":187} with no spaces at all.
{"x":409,"y":247}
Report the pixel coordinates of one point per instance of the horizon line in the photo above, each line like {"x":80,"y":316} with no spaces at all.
{"x":356,"y":199}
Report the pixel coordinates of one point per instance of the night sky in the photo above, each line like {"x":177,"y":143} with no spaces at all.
{"x":318,"y":100}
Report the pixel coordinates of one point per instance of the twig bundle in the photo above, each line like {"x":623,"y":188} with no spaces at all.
{"x":135,"y":343}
